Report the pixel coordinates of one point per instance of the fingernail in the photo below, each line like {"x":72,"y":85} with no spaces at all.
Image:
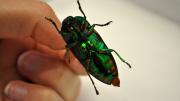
{"x":30,"y":62}
{"x":15,"y":92}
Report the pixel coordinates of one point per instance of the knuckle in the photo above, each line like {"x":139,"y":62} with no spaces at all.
{"x":46,"y":93}
{"x":43,"y":94}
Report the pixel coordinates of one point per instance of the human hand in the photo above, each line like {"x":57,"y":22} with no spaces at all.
{"x":32,"y":66}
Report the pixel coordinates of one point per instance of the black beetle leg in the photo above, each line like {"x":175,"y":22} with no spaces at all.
{"x":103,"y":24}
{"x":49,"y":19}
{"x":88,"y":62}
{"x":69,"y":46}
{"x":67,"y":55}
{"x":84,"y":26}
{"x":112,"y":50}
{"x":91,"y":28}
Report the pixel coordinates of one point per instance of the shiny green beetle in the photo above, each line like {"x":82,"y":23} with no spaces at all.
{"x":89,"y":48}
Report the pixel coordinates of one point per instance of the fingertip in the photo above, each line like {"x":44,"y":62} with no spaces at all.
{"x":15,"y":90}
{"x":23,"y":91}
{"x":77,"y":67}
{"x":33,"y":62}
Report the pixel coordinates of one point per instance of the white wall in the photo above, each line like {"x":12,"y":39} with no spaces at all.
{"x":168,"y":8}
{"x":151,"y":43}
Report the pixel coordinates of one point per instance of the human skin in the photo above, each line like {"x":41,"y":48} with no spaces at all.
{"x":33,"y":65}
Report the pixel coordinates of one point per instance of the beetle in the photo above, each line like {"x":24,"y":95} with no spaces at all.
{"x":89,"y":48}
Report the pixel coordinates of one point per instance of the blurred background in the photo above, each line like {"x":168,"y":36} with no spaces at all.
{"x":147,"y":34}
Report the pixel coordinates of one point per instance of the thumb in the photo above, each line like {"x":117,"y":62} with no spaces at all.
{"x":26,"y":18}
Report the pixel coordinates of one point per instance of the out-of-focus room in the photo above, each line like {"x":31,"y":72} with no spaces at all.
{"x":147,"y":34}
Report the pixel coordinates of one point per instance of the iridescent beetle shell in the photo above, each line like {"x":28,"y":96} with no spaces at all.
{"x":89,"y":48}
{"x":102,"y":66}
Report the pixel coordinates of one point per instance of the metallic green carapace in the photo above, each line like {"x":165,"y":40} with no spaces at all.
{"x":89,"y":48}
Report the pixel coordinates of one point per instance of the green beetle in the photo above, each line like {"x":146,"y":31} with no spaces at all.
{"x":89,"y":48}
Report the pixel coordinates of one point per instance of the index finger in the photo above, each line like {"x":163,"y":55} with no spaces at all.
{"x":22,"y":19}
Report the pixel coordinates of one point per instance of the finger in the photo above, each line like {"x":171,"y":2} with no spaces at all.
{"x":51,"y":72}
{"x":7,"y":99}
{"x":22,"y":91}
{"x":27,"y":19}
{"x":74,"y":64}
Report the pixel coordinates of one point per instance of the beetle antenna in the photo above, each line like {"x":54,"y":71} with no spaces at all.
{"x":81,"y":8}
{"x":67,"y":55}
{"x":103,"y":24}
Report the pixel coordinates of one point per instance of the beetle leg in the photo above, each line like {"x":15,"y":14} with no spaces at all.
{"x":67,"y":55}
{"x":112,"y":50}
{"x":103,"y":24}
{"x":69,"y":46}
{"x":84,"y":26}
{"x":92,"y":27}
{"x":88,"y":62}
{"x":97,"y":92}
{"x":49,"y":19}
